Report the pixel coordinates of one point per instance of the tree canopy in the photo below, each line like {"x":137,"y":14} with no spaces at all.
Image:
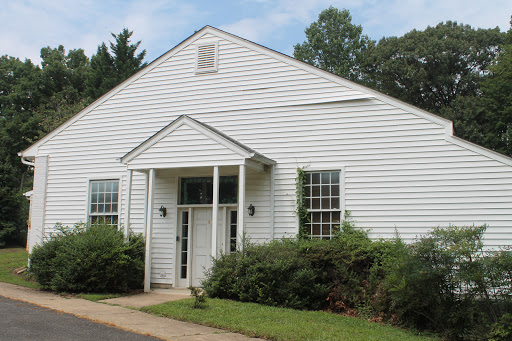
{"x":431,"y":68}
{"x":335,"y":44}
{"x":34,"y":100}
{"x":109,"y":68}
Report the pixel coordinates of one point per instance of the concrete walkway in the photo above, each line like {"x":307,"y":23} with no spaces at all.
{"x":156,"y":296}
{"x":124,"y":318}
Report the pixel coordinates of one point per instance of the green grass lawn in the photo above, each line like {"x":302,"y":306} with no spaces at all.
{"x":279,"y":323}
{"x":98,"y":297}
{"x":11,"y":259}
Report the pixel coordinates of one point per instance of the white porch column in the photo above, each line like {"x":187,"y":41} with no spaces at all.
{"x":241,"y":207}
{"x":215,"y":210}
{"x":128,"y":203}
{"x":149,"y":228}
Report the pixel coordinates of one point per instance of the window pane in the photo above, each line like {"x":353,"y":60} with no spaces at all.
{"x":326,"y":177}
{"x":336,"y":217}
{"x":228,"y":189}
{"x":335,"y":178}
{"x":316,"y":217}
{"x":108,"y":187}
{"x":335,"y":190}
{"x":101,"y":198}
{"x":114,"y":208}
{"x":308,"y":178}
{"x":94,"y":188}
{"x":316,"y":229}
{"x":115,"y":186}
{"x":326,"y":217}
{"x":101,"y":208}
{"x":335,"y":203}
{"x":108,"y":198}
{"x":315,"y":203}
{"x":101,"y":187}
{"x":326,"y":203}
{"x":94,"y":198}
{"x":307,"y":191}
{"x":325,"y":190}
{"x":315,"y":178}
{"x":94,"y":208}
{"x":108,"y":208}
{"x":315,"y":191}
{"x":326,"y":229}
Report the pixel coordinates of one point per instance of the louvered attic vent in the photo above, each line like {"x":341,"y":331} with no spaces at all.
{"x":207,"y":58}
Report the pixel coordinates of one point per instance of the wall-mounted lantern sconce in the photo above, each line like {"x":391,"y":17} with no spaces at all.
{"x":163,"y":211}
{"x":251,"y":209}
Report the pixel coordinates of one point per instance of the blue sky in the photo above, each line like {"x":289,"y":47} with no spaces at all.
{"x":28,"y":25}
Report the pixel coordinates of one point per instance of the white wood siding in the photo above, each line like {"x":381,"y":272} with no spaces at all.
{"x":185,"y":147}
{"x":400,"y":172}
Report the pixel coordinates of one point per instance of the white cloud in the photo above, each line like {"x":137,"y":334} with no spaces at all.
{"x":28,"y":25}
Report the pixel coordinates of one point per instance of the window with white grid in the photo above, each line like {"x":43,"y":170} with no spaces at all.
{"x":323,"y":201}
{"x":104,"y":201}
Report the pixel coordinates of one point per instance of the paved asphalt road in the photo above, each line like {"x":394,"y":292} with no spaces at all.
{"x":21,"y":321}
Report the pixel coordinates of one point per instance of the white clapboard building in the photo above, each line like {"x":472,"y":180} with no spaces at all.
{"x":218,"y":124}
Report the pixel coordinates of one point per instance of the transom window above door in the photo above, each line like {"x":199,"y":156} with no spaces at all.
{"x":196,"y":191}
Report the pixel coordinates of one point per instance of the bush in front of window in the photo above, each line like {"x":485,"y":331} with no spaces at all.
{"x":274,"y":274}
{"x":89,"y":258}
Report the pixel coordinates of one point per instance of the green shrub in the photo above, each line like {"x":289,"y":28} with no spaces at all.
{"x":90,"y":258}
{"x":446,"y":282}
{"x":276,"y":274}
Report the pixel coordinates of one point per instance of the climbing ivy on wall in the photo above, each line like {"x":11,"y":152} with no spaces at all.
{"x":301,"y":211}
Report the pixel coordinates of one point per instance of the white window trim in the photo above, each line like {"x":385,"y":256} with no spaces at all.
{"x":342,"y":189}
{"x":119,"y":199}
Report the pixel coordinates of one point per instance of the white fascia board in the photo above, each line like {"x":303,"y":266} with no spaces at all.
{"x":262,"y":159}
{"x":32,"y":150}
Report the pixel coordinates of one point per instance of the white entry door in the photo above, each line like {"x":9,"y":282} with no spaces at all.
{"x":201,"y":244}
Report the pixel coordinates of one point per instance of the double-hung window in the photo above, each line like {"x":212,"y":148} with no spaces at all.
{"x":104,"y":201}
{"x":323,"y":201}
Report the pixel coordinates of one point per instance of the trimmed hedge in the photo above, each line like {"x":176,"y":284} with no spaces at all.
{"x":89,"y":258}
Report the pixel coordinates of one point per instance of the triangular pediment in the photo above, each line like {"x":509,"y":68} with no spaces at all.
{"x":189,"y":143}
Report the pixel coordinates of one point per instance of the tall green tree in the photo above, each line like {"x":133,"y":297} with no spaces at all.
{"x":19,"y":98}
{"x":497,"y":99}
{"x":62,"y":85}
{"x":109,"y":68}
{"x":335,"y":44}
{"x":431,"y":68}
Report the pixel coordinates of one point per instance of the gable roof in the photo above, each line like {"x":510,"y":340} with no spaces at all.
{"x":208,"y":131}
{"x":30,"y":152}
